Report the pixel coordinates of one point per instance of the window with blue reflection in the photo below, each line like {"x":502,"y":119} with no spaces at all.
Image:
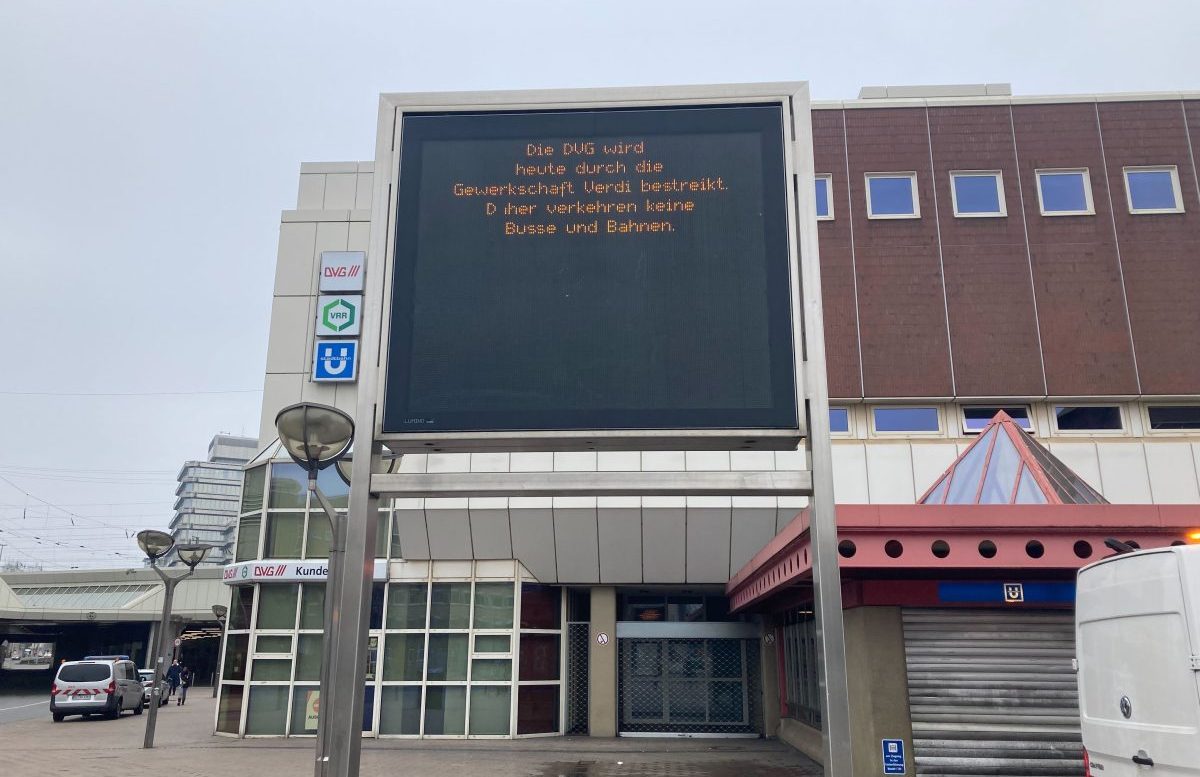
{"x":906,"y":419}
{"x":1151,"y":189}
{"x":839,"y":419}
{"x":824,"y":210}
{"x":977,"y":417}
{"x":1064,"y":191}
{"x":977,"y":194}
{"x":891,"y":195}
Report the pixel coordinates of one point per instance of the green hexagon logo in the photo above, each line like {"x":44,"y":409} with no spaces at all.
{"x":338,"y":315}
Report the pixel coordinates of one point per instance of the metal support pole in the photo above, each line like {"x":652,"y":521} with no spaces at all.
{"x":220,"y":657}
{"x":164,"y":628}
{"x":329,"y":645}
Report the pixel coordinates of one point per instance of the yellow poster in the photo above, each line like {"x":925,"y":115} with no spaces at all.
{"x":312,"y":707}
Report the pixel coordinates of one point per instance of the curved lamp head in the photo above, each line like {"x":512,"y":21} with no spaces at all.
{"x":220,"y":611}
{"x":192,"y":553}
{"x":390,"y":465}
{"x":314,"y":435}
{"x":154,"y":543}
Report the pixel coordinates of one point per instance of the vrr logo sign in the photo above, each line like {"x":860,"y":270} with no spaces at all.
{"x":338,"y":315}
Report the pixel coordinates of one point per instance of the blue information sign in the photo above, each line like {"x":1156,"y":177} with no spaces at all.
{"x":893,"y":756}
{"x":335,"y":360}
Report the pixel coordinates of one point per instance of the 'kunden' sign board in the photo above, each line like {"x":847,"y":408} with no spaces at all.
{"x":593,"y":277}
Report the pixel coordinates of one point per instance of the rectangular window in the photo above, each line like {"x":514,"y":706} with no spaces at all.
{"x":1153,"y":189}
{"x":1065,"y":192}
{"x":825,"y":197}
{"x":906,"y":419}
{"x":892,"y":196}
{"x":978,"y":193}
{"x":839,"y":420}
{"x":1088,"y":418}
{"x":975,"y":418}
{"x":1179,"y":417}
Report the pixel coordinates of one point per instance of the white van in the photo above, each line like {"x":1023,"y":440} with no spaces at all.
{"x":1137,"y":642}
{"x":98,"y":685}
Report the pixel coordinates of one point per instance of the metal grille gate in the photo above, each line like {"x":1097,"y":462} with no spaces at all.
{"x":992,"y":692}
{"x":578,"y":646}
{"x":689,"y":686}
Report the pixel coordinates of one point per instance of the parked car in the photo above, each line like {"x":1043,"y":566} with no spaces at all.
{"x":1137,"y":638}
{"x":147,"y":678}
{"x":98,"y":685}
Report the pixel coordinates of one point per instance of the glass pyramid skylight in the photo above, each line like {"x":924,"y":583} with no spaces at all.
{"x":1007,"y":466}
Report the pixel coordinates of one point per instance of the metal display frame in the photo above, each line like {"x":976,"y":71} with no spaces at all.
{"x":352,"y":603}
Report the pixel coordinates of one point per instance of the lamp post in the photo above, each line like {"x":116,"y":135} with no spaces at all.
{"x":156,"y":544}
{"x":316,"y":436}
{"x":220,"y":611}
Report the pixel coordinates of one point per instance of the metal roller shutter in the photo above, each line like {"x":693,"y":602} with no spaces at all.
{"x":992,"y":692}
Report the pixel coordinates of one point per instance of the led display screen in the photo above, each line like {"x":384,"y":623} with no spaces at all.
{"x":614,"y":269}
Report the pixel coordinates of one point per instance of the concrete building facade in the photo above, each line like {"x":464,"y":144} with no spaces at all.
{"x":207,"y":497}
{"x":980,"y":252}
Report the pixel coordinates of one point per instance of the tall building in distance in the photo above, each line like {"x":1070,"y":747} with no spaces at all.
{"x":206,"y":506}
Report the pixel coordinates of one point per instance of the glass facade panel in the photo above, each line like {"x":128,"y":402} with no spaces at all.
{"x":305,"y":709}
{"x":268,"y":709}
{"x":491,"y":669}
{"x":272,"y":669}
{"x":319,"y":535}
{"x":975,"y":418}
{"x":539,"y":657}
{"x":822,"y":191}
{"x":240,"y":606}
{"x":381,"y":535}
{"x":285,"y":534}
{"x":312,"y":606}
{"x":447,"y":657}
{"x":406,"y":606}
{"x":247,"y":537}
{"x":445,"y":709}
{"x":289,"y":486}
{"x":273,"y":643}
{"x":335,"y":489}
{"x":1181,"y":417}
{"x":403,"y":656}
{"x":308,"y":656}
{"x":494,"y":605}
{"x":252,"y":489}
{"x":1088,"y":418}
{"x":540,"y":606}
{"x":490,"y":710}
{"x":839,"y":420}
{"x":237,"y":648}
{"x":229,"y":710}
{"x":277,"y":606}
{"x":493,"y":643}
{"x":537,"y":709}
{"x":400,"y":709}
{"x":450,"y":606}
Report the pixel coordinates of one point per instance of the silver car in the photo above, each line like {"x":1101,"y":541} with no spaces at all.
{"x":164,"y":688}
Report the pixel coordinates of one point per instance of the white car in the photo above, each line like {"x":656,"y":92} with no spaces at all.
{"x":147,"y":678}
{"x":98,"y":685}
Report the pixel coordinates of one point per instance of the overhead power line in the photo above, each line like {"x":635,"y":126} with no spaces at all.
{"x":125,"y":393}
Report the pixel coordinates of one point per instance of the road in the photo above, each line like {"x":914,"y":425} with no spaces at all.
{"x":24,"y":706}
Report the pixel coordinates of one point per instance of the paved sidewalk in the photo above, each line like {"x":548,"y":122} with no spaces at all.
{"x":185,"y":747}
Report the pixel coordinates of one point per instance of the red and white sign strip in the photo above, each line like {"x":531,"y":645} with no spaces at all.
{"x":285,"y":571}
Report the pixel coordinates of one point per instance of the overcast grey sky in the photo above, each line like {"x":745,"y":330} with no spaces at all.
{"x":146,"y":149}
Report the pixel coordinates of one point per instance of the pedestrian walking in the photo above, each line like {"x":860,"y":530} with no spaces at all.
{"x":173,"y":678}
{"x":186,"y":677}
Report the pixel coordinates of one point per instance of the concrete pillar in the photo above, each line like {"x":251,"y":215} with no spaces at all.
{"x":878,"y":685}
{"x":602,"y":663}
{"x":770,"y":680}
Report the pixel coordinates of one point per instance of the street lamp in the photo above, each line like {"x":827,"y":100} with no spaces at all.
{"x":220,"y":611}
{"x":156,"y":544}
{"x":316,"y":436}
